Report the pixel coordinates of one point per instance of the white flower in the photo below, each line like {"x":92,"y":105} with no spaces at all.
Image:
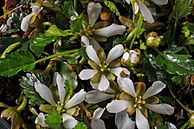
{"x":40,"y":120}
{"x":26,"y":20}
{"x":139,"y":5}
{"x":139,"y":101}
{"x":132,"y":56}
{"x":104,"y":68}
{"x":94,"y":10}
{"x":96,"y":122}
{"x":69,"y":104}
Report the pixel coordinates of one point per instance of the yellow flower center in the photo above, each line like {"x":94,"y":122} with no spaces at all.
{"x":139,"y":102}
{"x":104,"y":67}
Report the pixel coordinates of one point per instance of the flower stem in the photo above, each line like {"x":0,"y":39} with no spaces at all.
{"x":185,"y":125}
{"x":75,"y":5}
{"x":23,"y":105}
{"x":55,"y":55}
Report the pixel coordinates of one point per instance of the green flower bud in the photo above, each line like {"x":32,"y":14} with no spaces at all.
{"x":153,"y":40}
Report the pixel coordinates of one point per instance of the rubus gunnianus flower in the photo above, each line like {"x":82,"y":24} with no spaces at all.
{"x":137,"y":99}
{"x":90,"y":34}
{"x":140,"y":5}
{"x":66,"y":105}
{"x":104,"y":68}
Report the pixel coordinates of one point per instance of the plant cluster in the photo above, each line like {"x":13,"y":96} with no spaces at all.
{"x":97,"y":64}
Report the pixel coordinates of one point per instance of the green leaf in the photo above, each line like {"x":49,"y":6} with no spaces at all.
{"x":178,"y":80}
{"x":112,"y":7}
{"x":167,"y":125}
{"x":27,"y":83}
{"x":182,"y":8}
{"x":17,"y":61}
{"x":81,"y":125}
{"x":68,"y":10}
{"x":53,"y":119}
{"x":139,"y":26}
{"x":55,"y":31}
{"x":76,"y":25}
{"x":38,"y":44}
{"x":176,"y":64}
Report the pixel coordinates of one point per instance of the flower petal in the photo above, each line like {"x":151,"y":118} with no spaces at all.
{"x":98,"y":124}
{"x":25,"y":22}
{"x":44,"y":92}
{"x":69,"y":122}
{"x":96,"y":96}
{"x":154,"y":89}
{"x":93,"y":11}
{"x":128,"y":1}
{"x":111,"y":30}
{"x":98,"y":113}
{"x":114,"y":53}
{"x":146,"y":13}
{"x":76,"y":99}
{"x":117,"y":106}
{"x":60,"y":84}
{"x":85,"y":40}
{"x":123,"y":121}
{"x":119,"y":70}
{"x":87,"y":74}
{"x":92,"y":54}
{"x":94,"y":43}
{"x":161,"y":108}
{"x":136,"y":8}
{"x":40,"y":119}
{"x":103,"y":84}
{"x":160,"y":2}
{"x":141,"y":121}
{"x":127,"y":86}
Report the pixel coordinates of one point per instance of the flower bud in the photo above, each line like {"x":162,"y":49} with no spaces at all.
{"x":191,"y":120}
{"x":105,"y":16}
{"x":131,"y":58}
{"x":153,"y":40}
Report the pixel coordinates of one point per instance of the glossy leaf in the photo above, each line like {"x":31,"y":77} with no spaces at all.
{"x":17,"y":61}
{"x":176,"y":64}
{"x":38,"y":44}
{"x":53,"y":120}
{"x":55,"y":31}
{"x":76,"y":25}
{"x":27,"y":83}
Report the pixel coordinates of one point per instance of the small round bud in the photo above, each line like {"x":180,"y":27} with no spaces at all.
{"x":105,"y":16}
{"x":191,"y":120}
{"x":153,"y":40}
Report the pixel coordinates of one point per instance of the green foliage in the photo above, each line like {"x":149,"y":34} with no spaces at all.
{"x":112,"y":7}
{"x":178,"y":80}
{"x":68,"y":9}
{"x":176,"y":64}
{"x":55,"y":31}
{"x":76,"y":25}
{"x":53,"y":120}
{"x":27,"y":83}
{"x":182,"y":8}
{"x":38,"y":43}
{"x":17,"y":61}
{"x":167,"y":125}
{"x":81,"y":125}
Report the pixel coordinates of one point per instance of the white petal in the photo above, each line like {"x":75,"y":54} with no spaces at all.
{"x":92,"y":54}
{"x":104,"y":83}
{"x":160,"y":2}
{"x":154,"y":89}
{"x":69,"y":122}
{"x":85,"y":40}
{"x":60,"y":84}
{"x":25,"y":22}
{"x":146,"y":13}
{"x":40,"y":120}
{"x":136,"y":7}
{"x":111,"y":30}
{"x":117,"y":106}
{"x":95,"y":96}
{"x":36,"y":9}
{"x":117,"y":71}
{"x":76,"y":99}
{"x":127,"y":86}
{"x":98,"y":113}
{"x":9,"y":21}
{"x":141,"y":121}
{"x":125,"y":56}
{"x":133,"y":56}
{"x":98,"y":124}
{"x":44,"y":92}
{"x":128,"y":1}
{"x":161,"y":108}
{"x":87,"y":74}
{"x":123,"y":121}
{"x":93,"y":11}
{"x":94,"y":43}
{"x":114,"y":53}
